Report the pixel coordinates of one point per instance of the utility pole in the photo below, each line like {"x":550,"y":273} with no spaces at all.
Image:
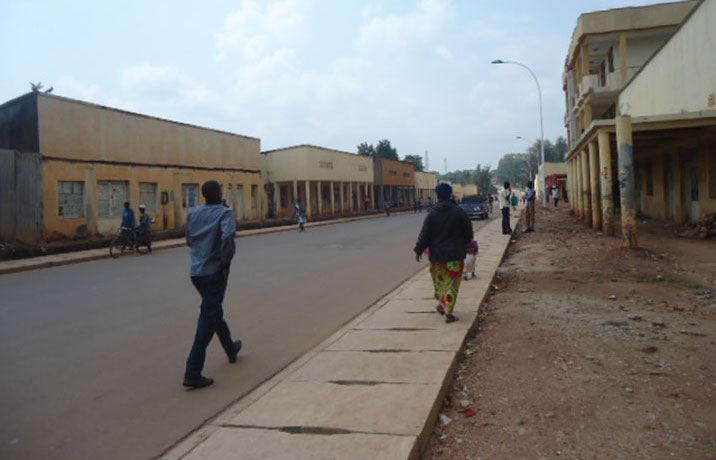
{"x":445,"y":165}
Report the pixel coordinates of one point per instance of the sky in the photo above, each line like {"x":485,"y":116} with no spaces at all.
{"x":332,"y":73}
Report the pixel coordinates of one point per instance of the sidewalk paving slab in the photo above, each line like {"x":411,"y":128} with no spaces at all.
{"x":372,"y":390}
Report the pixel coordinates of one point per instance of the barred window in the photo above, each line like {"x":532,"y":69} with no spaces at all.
{"x":148,"y":195}
{"x":190,"y":195}
{"x":325,"y":164}
{"x":70,"y":199}
{"x":111,"y":196}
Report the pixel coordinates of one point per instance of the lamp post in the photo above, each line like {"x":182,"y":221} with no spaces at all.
{"x":541,"y":125}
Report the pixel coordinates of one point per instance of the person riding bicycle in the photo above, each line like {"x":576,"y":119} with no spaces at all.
{"x":128,"y":224}
{"x":144,"y":231}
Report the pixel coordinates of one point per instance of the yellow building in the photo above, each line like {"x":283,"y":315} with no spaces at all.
{"x":425,"y":184}
{"x":649,"y":144}
{"x":460,"y":191}
{"x":325,"y":181}
{"x":555,"y":176}
{"x":76,"y":164}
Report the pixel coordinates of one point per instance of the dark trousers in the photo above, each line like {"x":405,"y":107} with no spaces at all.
{"x":211,"y":320}
{"x":506,"y":228}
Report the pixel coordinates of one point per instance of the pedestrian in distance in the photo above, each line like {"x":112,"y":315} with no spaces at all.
{"x":471,"y":258}
{"x":446,"y":232}
{"x":504,"y":202}
{"x":514,"y":201}
{"x":530,"y":196}
{"x":145,"y":228}
{"x":555,"y":196}
{"x":300,"y":217}
{"x":128,"y":224}
{"x":210,"y":233}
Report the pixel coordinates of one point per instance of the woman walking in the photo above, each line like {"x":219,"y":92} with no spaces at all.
{"x":446,"y":232}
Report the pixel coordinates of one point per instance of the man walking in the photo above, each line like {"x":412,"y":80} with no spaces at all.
{"x":210,"y":232}
{"x":530,"y":195}
{"x":145,"y":228}
{"x":128,"y":224}
{"x":504,"y":202}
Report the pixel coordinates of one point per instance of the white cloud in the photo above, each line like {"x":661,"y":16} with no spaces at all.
{"x":254,"y":31}
{"x":70,"y":87}
{"x":166,"y":85}
{"x":444,"y":53}
{"x":395,"y":32}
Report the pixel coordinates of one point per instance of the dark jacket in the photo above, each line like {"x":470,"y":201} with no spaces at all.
{"x":446,"y":231}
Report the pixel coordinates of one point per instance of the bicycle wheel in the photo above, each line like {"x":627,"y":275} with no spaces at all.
{"x":115,"y":246}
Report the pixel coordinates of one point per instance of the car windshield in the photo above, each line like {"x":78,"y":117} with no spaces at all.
{"x":473,"y":199}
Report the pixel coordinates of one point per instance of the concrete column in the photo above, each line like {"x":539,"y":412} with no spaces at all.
{"x":90,"y":199}
{"x":343,"y":201}
{"x":626,"y":181}
{"x":319,"y":197}
{"x":570,"y":181}
{"x":586,"y":190}
{"x":594,"y":185}
{"x":606,"y":184}
{"x":350,"y":196}
{"x":178,"y":222}
{"x":333,"y":200}
{"x":295,"y":192}
{"x":309,"y":212}
{"x":577,"y":186}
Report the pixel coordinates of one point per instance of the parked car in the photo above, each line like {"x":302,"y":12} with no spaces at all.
{"x":474,"y":206}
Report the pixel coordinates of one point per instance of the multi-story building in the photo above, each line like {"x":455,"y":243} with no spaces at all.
{"x":68,"y":167}
{"x":425,"y":183}
{"x":645,"y":142}
{"x":325,"y":181}
{"x":394,"y":182}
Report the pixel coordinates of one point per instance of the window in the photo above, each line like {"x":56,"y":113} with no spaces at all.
{"x":111,"y":196}
{"x":254,"y":198}
{"x":148,"y":195}
{"x":649,"y":177}
{"x":362,"y":168}
{"x":230,"y":195}
{"x":610,"y":59}
{"x":189,"y":195}
{"x":70,"y":201}
{"x":393,"y":173}
{"x":325,"y":164}
{"x":406,"y":174}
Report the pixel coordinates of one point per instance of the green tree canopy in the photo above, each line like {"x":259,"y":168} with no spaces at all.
{"x":366,"y":149}
{"x":417,"y":160}
{"x":483,"y":179}
{"x":515,"y":168}
{"x":384,"y":150}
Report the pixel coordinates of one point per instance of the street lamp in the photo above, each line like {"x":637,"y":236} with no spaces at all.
{"x":541,"y":124}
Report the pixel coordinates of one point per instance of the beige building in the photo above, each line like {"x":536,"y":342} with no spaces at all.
{"x":555,"y":176}
{"x":69,"y":166}
{"x":460,"y":191}
{"x":654,"y":150}
{"x":425,"y":184}
{"x":325,"y":181}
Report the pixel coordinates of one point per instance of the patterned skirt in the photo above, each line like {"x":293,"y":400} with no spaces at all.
{"x":446,"y":279}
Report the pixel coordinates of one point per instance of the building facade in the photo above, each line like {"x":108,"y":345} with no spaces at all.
{"x":425,"y":184}
{"x":325,"y":181}
{"x":73,"y":164}
{"x":394,"y":182}
{"x":656,"y":154}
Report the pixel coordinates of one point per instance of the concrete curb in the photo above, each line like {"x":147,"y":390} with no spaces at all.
{"x":372,"y":390}
{"x":56,"y":260}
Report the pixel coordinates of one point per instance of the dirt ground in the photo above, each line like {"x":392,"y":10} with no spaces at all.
{"x":587,"y":350}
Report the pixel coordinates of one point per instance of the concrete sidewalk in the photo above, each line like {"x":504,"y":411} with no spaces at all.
{"x":371,"y":391}
{"x":19,"y":265}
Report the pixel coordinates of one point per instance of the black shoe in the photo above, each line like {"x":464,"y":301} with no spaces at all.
{"x":237,"y":346}
{"x":198,"y":382}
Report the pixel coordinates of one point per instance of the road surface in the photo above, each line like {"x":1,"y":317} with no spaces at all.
{"x":92,"y":355}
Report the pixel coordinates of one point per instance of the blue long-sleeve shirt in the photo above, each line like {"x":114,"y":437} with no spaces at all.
{"x":210,"y":232}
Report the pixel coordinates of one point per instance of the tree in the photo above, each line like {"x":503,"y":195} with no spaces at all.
{"x":515,"y":169}
{"x":385,"y":150}
{"x":366,"y":149}
{"x":483,"y":179}
{"x":417,"y":160}
{"x":461,"y":176}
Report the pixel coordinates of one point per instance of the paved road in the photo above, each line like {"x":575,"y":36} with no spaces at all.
{"x":92,"y":355}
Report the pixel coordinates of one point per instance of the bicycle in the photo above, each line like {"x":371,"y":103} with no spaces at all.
{"x":128,"y":239}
